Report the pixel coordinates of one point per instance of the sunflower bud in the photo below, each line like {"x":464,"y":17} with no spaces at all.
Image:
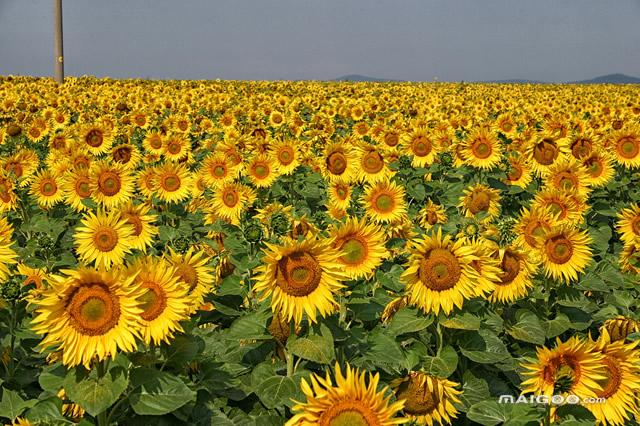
{"x":253,"y":233}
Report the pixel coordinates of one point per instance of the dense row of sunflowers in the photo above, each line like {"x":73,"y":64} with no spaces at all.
{"x":318,"y":254}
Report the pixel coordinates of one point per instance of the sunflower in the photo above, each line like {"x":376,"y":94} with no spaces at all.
{"x":142,"y":222}
{"x":111,"y":184}
{"x":340,"y":163}
{"x":35,"y":276}
{"x":372,"y":167}
{"x":23,"y":165}
{"x":172,"y":182}
{"x":361,"y":247}
{"x":630,"y":258}
{"x":516,"y":272}
{"x":626,"y":146}
{"x":97,"y":139}
{"x":568,"y":175}
{"x":427,"y":399}
{"x":176,"y":147}
{"x":153,"y":142}
{"x":432,"y":214}
{"x":7,"y":255}
{"x":629,"y":224}
{"x":480,"y":202}
{"x":8,"y":199}
{"x":481,"y":149}
{"x":46,"y":189}
{"x":564,"y":252}
{"x":285,"y":154}
{"x":584,"y":144}
{"x":544,"y":150}
{"x":384,"y":202}
{"x":565,"y":208}
{"x":350,"y":402}
{"x":104,"y":238}
{"x":229,"y":202}
{"x":165,"y":302}
{"x":301,"y":277}
{"x":89,"y":314}
{"x":339,"y":195}
{"x":76,"y":187}
{"x":420,"y":147}
{"x":262,"y":170}
{"x":572,"y":367}
{"x":440,"y":274}
{"x":145,"y":182}
{"x":192,"y":271}
{"x":621,"y":382}
{"x":126,"y":154}
{"x":599,"y":168}
{"x":218,"y":170}
{"x":519,"y":172}
{"x":620,"y":327}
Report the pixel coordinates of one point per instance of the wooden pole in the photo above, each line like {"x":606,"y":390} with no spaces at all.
{"x":59,"y":57}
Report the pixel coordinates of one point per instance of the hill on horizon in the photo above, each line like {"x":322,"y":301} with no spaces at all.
{"x":617,"y":78}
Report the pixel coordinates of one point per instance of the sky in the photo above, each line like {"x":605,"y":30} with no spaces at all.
{"x":415,"y":40}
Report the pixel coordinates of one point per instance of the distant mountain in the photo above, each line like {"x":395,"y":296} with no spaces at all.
{"x":604,"y":79}
{"x":611,"y":79}
{"x":363,"y":78}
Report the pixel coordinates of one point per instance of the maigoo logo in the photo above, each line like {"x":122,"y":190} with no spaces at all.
{"x":546,"y":400}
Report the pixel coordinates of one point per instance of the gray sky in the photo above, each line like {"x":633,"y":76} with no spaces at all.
{"x":550,"y":40}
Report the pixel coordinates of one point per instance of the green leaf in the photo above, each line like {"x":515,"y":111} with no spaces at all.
{"x":474,"y":390}
{"x":46,"y":411}
{"x":156,"y":392}
{"x":556,"y":326}
{"x":443,"y":365}
{"x":183,"y":349}
{"x":251,"y":327}
{"x":527,"y":328}
{"x":466,"y":321}
{"x":384,"y":351}
{"x":491,"y":413}
{"x":12,"y":405}
{"x":276,"y":391}
{"x":95,"y":394}
{"x":484,"y":347}
{"x":407,"y":320}
{"x":51,"y":379}
{"x":316,"y":348}
{"x":601,"y":237}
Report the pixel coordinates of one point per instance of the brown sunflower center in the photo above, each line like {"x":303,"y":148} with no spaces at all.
{"x":135,"y":221}
{"x":562,"y":371}
{"x":480,"y":202}
{"x":94,"y":138}
{"x":391,"y":139}
{"x":170,"y":182}
{"x":219,"y":170}
{"x":510,"y":266}
{"x":419,"y":400}
{"x":155,"y":142}
{"x":372,"y":162}
{"x":5,"y":190}
{"x":298,"y":274}
{"x":48,"y":187}
{"x":230,"y":198}
{"x":546,"y":152}
{"x":285,"y":155}
{"x":481,"y":148}
{"x":515,"y":173}
{"x":342,"y":191}
{"x":122,"y":154}
{"x":384,"y":203}
{"x":15,"y":168}
{"x":83,"y":188}
{"x":439,"y":270}
{"x":635,"y":224}
{"x":559,"y":249}
{"x":153,"y":302}
{"x":105,"y":239}
{"x":613,"y":380}
{"x":261,"y":170}
{"x":628,"y":147}
{"x":109,"y":183}
{"x":355,"y":250}
{"x":188,"y":274}
{"x":351,"y":412}
{"x":432,"y":217}
{"x":421,"y":146}
{"x":93,"y":309}
{"x":336,"y":163}
{"x":174,"y":148}
{"x":183,"y":125}
{"x":566,"y":180}
{"x":581,"y":148}
{"x":595,"y":167}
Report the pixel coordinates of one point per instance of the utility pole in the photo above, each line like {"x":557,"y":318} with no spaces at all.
{"x":59,"y":56}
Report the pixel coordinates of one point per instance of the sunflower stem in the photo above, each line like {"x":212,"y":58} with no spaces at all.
{"x":439,"y":331}
{"x":290,"y":365}
{"x":547,"y":415}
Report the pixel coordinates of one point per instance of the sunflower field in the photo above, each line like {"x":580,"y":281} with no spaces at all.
{"x":314,"y":253}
